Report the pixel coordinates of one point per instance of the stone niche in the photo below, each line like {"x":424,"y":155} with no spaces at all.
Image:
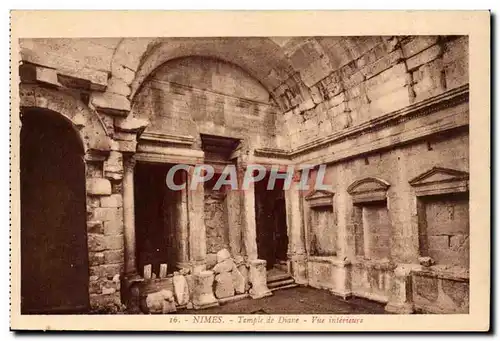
{"x":372,"y":273}
{"x":442,"y":212}
{"x":326,"y":270}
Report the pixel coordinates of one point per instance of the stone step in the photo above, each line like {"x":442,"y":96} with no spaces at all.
{"x":277,"y":277}
{"x":280,"y":284}
{"x":289,"y":286}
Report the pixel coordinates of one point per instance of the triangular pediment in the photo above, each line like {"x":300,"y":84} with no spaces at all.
{"x":319,"y":194}
{"x":367,"y":185}
{"x":439,"y":174}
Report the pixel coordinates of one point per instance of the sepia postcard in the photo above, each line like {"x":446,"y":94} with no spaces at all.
{"x":250,"y":171}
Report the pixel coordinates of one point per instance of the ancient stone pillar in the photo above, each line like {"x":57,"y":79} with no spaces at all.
{"x":203,"y":295}
{"x":296,"y":248}
{"x":257,"y":272}
{"x":233,"y":205}
{"x":183,"y":227}
{"x":129,"y":215}
{"x":248,"y":223}
{"x":196,"y":221}
{"x":400,"y":298}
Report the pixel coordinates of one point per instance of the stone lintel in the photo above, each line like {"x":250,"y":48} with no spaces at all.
{"x":31,"y":73}
{"x":111,"y":104}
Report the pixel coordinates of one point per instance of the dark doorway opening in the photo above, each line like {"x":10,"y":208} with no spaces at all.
{"x":54,"y":255}
{"x":157,"y":214}
{"x":270,"y":215}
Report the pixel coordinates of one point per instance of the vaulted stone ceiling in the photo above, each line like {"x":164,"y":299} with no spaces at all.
{"x":295,"y":70}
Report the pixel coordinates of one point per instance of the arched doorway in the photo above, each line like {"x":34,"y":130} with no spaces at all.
{"x":54,"y":257}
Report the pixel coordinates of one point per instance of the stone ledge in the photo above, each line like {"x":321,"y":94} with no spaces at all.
{"x":330,"y":260}
{"x":425,"y":107}
{"x":441,"y":272}
{"x":111,"y":104}
{"x":384,"y":265}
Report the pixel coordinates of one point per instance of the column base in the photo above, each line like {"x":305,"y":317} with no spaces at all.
{"x":394,"y":308}
{"x":198,"y":267}
{"x":298,"y":268}
{"x":401,"y":300}
{"x":258,"y":278}
{"x":345,"y":295}
{"x":203,"y":296}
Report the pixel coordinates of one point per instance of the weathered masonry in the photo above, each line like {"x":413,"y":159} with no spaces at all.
{"x":103,"y":120}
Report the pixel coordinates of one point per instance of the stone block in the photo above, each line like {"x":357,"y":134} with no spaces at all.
{"x":181,"y":289}
{"x":459,"y":242}
{"x":96,"y":258}
{"x":224,"y":285}
{"x":158,"y":302}
{"x":416,"y":44}
{"x":439,"y":242}
{"x":424,"y":57}
{"x":222,"y":255}
{"x":457,"y":291}
{"x":114,"y":200}
{"x":211,"y":260}
{"x":163,"y":271}
{"x":226,"y":265}
{"x":426,"y":287}
{"x":113,"y":256}
{"x":243,"y":269}
{"x":203,"y":295}
{"x":96,"y":242}
{"x":94,"y":226}
{"x":93,"y":201}
{"x":115,"y":242}
{"x":106,"y":270}
{"x":426,"y":261}
{"x":110,"y":103}
{"x":239,"y":281}
{"x":113,"y":227}
{"x":106,"y":304}
{"x":107,"y":214}
{"x":118,"y":86}
{"x":258,"y":279}
{"x":98,"y":186}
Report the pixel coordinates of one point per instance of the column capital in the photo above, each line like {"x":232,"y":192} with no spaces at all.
{"x":129,"y":161}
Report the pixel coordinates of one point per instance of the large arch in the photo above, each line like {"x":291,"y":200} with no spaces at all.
{"x":54,"y":262}
{"x":136,"y":58}
{"x":92,"y":130}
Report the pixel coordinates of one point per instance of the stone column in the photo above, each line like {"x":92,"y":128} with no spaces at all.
{"x":400,"y":298}
{"x":129,"y":216}
{"x":294,"y":218}
{"x":248,"y":220}
{"x":233,"y":205}
{"x":257,"y":274}
{"x":196,"y":223}
{"x":182,"y":234}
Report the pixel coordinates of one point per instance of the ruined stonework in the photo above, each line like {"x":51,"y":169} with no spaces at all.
{"x":387,"y":116}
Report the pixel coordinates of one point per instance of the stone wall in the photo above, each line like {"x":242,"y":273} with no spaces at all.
{"x":213,"y":98}
{"x":335,"y":100}
{"x":216,"y":221}
{"x":447,"y":230}
{"x":387,"y":74}
{"x":323,"y":232}
{"x":105,"y":238}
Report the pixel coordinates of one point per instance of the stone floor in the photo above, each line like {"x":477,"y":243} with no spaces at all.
{"x":299,"y":300}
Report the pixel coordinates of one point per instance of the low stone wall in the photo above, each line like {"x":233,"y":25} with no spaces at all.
{"x":330,"y":273}
{"x":372,"y":279}
{"x":440,"y":291}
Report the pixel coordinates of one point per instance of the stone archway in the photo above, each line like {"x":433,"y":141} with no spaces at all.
{"x":61,"y":140}
{"x":54,"y":256}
